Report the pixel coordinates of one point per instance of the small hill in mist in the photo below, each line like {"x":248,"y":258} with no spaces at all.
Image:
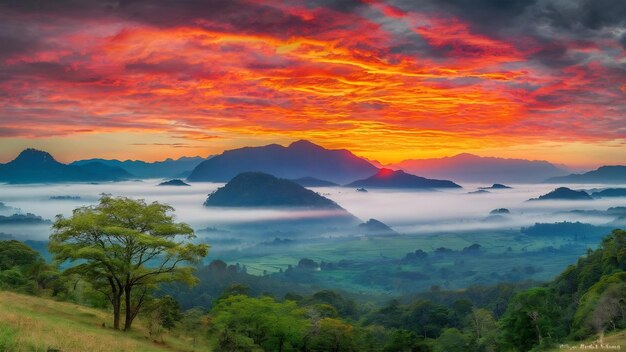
{"x":376,"y":227}
{"x":299,"y":159}
{"x":257,"y":189}
{"x":387,"y":178}
{"x":604,"y":174}
{"x":496,"y":186}
{"x":472,"y":168}
{"x":610,"y":193}
{"x":36,"y":166}
{"x":174,"y":182}
{"x":564,"y":193}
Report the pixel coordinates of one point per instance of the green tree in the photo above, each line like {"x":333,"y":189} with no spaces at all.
{"x":162,"y":313}
{"x":193,"y":321}
{"x":481,"y":324}
{"x":452,"y":340}
{"x":22,"y":268}
{"x":614,"y":251}
{"x":271,"y":325}
{"x":125,"y":248}
{"x":404,"y":341}
{"x":335,"y":336}
{"x":16,"y":254}
{"x":530,"y":319}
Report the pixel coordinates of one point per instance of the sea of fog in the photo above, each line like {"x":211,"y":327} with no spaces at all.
{"x":408,"y":212}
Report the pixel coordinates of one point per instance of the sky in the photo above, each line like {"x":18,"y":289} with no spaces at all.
{"x":388,"y":80}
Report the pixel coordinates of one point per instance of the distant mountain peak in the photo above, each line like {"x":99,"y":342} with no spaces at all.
{"x":32,"y":155}
{"x":303,"y":143}
{"x":386,"y":173}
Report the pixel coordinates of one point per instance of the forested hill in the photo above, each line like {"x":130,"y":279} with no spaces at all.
{"x":588,"y":298}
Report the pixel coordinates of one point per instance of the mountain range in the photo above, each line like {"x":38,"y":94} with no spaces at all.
{"x":472,"y":168}
{"x":168,"y":168}
{"x":306,"y":163}
{"x":604,"y":174}
{"x":298,"y":160}
{"x":36,"y":166}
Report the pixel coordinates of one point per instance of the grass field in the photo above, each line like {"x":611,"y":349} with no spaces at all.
{"x":38,"y":324}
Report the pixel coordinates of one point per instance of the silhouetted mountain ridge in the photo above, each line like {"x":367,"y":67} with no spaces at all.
{"x":467,"y":167}
{"x":603,"y":174}
{"x":299,"y":159}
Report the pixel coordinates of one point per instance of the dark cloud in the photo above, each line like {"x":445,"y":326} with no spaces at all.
{"x":487,"y":13}
{"x":597,"y":14}
{"x":51,"y":71}
{"x":338,"y":5}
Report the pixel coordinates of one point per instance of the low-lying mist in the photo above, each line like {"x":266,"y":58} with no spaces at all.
{"x":408,"y":212}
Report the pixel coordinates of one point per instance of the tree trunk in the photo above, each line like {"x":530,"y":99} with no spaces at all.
{"x":128,"y":322}
{"x":539,"y":337}
{"x":117,"y":302}
{"x":281,"y":342}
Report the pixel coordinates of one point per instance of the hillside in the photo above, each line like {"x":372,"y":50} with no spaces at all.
{"x":473,"y":168}
{"x":604,"y":174}
{"x":39,"y":324}
{"x":387,"y":178}
{"x":299,"y":159}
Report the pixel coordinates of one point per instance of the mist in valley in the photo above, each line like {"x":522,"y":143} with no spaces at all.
{"x":407,"y":212}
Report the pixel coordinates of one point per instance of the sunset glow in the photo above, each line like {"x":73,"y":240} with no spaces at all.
{"x":388,"y":80}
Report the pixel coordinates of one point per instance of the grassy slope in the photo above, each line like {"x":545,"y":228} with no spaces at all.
{"x":612,"y":339}
{"x":36,"y":324}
